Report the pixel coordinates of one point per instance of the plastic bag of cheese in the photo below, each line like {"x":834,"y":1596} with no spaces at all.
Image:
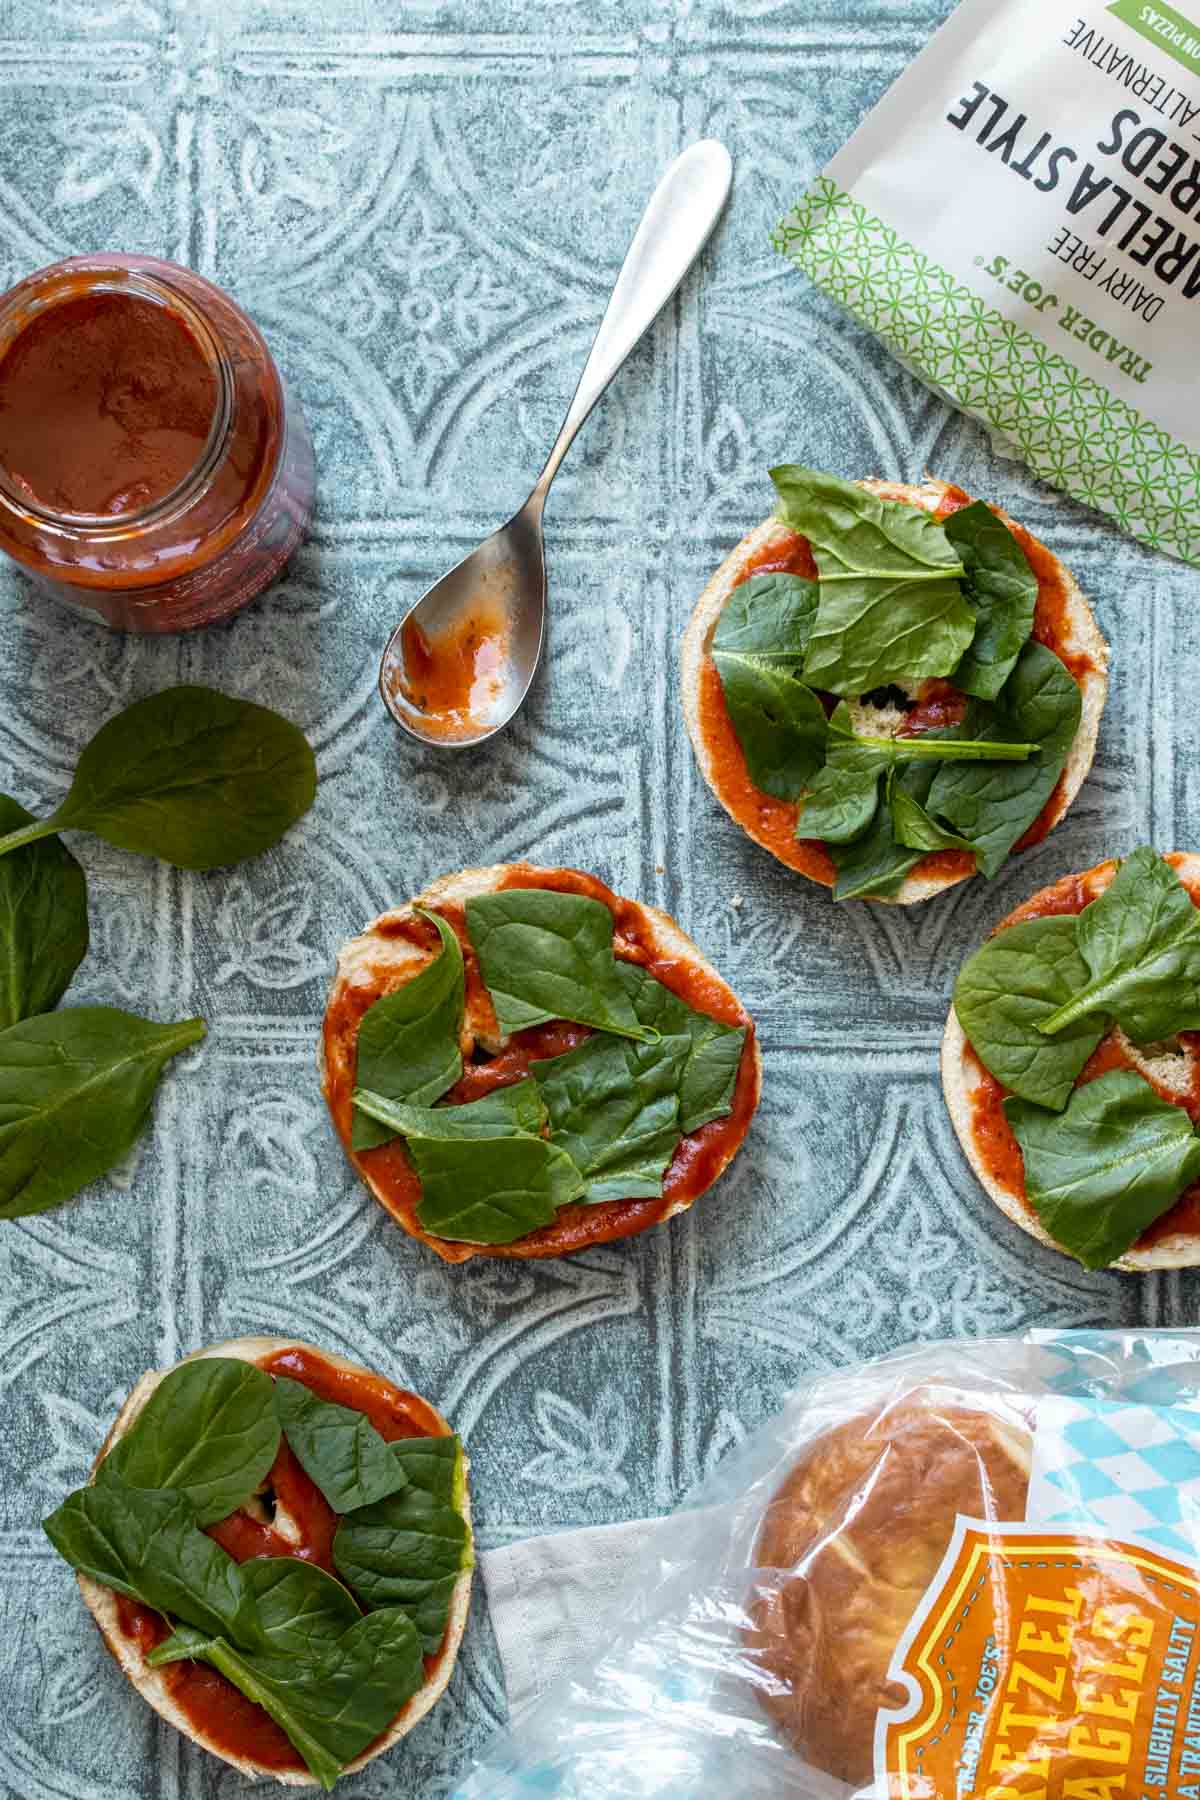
{"x":1019,"y":221}
{"x":968,"y":1569}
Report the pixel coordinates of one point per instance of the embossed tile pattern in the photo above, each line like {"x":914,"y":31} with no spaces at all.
{"x":424,"y":203}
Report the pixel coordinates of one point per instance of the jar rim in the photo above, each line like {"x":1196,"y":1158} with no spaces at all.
{"x":69,"y":281}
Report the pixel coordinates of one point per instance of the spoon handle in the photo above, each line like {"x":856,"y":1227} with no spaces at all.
{"x":675,"y":227}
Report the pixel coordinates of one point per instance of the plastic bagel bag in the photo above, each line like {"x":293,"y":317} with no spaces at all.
{"x":968,"y":1569}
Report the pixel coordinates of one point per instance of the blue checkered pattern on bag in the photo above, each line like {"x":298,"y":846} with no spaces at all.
{"x":1159,"y":1368}
{"x":1130,"y":1469}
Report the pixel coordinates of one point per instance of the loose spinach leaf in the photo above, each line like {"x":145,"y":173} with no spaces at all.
{"x":331,"y":1706}
{"x":1001,"y":588}
{"x":913,"y":827}
{"x":993,"y":804}
{"x":1140,"y":942}
{"x":710,"y":1075}
{"x":407,"y":1551}
{"x":891,"y":605}
{"x":614,"y":1109}
{"x":76,"y":1088}
{"x":768,"y":617}
{"x":1003,"y":994}
{"x":146,"y":1543}
{"x":840,"y":805}
{"x":189,"y":775}
{"x":1098,"y":1174}
{"x":491,"y":1190}
{"x":409,"y":1042}
{"x":43,"y":921}
{"x":505,"y":1113}
{"x":337,"y":1447}
{"x":209,"y":1431}
{"x":433,"y":1464}
{"x":779,"y":723}
{"x":546,"y":955}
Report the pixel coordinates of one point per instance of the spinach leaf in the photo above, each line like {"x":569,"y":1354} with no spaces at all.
{"x":891,"y":605}
{"x":298,"y":1610}
{"x":298,"y":1607}
{"x":614,"y":1109}
{"x":406,"y":1551}
{"x":913,"y":827}
{"x":1140,"y":942}
{"x":874,"y":865}
{"x":75,"y":1092}
{"x":546,"y":955}
{"x":189,"y":775}
{"x":779,"y":723}
{"x":929,"y":746}
{"x":146,"y":1543}
{"x":1001,"y":588}
{"x":508,"y":1111}
{"x":209,"y":1431}
{"x":331,"y":1705}
{"x":491,"y":1190}
{"x":710,"y":1074}
{"x":433,"y":1464}
{"x":840,"y":805}
{"x":409,"y":1042}
{"x":336,"y":1447}
{"x":768,"y":617}
{"x":43,"y":921}
{"x":1007,"y":990}
{"x":1098,"y":1174}
{"x":993,"y":804}
{"x":849,"y":749}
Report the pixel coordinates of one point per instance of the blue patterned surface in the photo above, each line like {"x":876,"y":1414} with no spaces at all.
{"x":424,"y":204}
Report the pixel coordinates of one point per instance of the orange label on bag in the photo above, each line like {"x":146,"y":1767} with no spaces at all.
{"x":1048,"y":1665}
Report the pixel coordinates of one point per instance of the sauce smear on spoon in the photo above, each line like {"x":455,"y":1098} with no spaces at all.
{"x":456,"y":678}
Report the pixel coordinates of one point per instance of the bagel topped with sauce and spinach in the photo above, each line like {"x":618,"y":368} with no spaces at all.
{"x":891,"y":687}
{"x":521,"y":1063}
{"x":276,"y":1546}
{"x":1071,"y":1063}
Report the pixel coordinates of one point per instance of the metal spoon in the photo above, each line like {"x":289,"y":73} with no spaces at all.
{"x":503,"y":582}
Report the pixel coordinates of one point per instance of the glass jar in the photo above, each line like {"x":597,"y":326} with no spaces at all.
{"x":154,"y":473}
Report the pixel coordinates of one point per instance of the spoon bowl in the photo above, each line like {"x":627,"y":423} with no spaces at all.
{"x":486,"y":617}
{"x":459,"y":665}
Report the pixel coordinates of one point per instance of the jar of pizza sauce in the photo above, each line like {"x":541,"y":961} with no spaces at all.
{"x":154,"y":472}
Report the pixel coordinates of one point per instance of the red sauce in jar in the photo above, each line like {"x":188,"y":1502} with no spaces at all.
{"x":993,"y":1137}
{"x":699,"y":1157}
{"x":154,"y":473}
{"x":213,"y":1706}
{"x":106,"y":403}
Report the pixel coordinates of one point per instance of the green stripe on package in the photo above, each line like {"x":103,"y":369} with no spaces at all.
{"x":1019,"y":221}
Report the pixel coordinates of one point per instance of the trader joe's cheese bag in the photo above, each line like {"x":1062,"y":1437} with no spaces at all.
{"x":1019,"y":221}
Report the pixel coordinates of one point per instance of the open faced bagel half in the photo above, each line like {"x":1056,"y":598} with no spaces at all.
{"x":398,"y":945}
{"x":160,"y":1686}
{"x":1064,"y":623}
{"x":988,"y":1143}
